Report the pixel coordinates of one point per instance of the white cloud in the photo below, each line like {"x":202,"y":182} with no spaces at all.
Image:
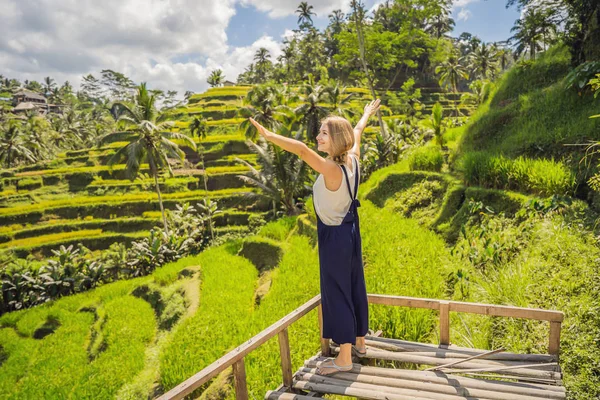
{"x":459,"y":8}
{"x":464,"y":14}
{"x":171,"y":44}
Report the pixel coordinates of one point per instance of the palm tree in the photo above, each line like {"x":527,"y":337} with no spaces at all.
{"x":304,"y":12}
{"x":451,"y":72}
{"x":340,"y":101}
{"x":480,"y":90}
{"x":336,"y":19}
{"x":262,"y":63}
{"x":282,"y":174}
{"x":199,"y":127}
{"x":49,"y":85}
{"x":148,"y":137}
{"x":484,"y":61}
{"x":13,"y":145}
{"x":311,"y":111}
{"x":216,"y":78}
{"x":264,"y":103}
{"x":435,"y":123}
{"x":441,"y":23}
{"x":358,"y":16}
{"x":287,"y":55}
{"x":533,"y":30}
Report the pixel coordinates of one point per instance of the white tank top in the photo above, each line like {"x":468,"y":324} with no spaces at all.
{"x":332,"y":205}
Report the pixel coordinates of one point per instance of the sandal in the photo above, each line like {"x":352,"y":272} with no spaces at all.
{"x":360,"y":353}
{"x":332,"y":365}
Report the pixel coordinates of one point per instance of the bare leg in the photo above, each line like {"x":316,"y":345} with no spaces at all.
{"x":345,"y":356}
{"x":360,"y":342}
{"x":343,"y":360}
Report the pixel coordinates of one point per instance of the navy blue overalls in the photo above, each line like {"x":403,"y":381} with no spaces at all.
{"x":343,"y":289}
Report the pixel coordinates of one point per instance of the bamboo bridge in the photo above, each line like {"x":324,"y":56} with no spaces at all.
{"x":452,"y":372}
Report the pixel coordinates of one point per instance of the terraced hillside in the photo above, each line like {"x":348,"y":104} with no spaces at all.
{"x":78,"y":198}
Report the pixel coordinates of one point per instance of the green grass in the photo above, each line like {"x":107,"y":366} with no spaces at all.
{"x":203,"y":338}
{"x":531,"y":114}
{"x":63,"y":364}
{"x":541,"y":176}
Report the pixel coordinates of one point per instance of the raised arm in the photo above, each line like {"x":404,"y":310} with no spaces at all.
{"x":308,"y":155}
{"x":370,"y":109}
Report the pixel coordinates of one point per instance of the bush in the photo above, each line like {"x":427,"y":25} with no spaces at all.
{"x":29,"y":183}
{"x":541,"y":176}
{"x":307,"y":228}
{"x":549,"y":68}
{"x":279,"y":229}
{"x":426,"y":158}
{"x":262,"y":252}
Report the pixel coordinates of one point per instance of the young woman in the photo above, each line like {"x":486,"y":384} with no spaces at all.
{"x":343,"y":289}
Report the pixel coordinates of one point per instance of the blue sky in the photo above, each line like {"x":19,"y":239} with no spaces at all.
{"x":489,"y":20}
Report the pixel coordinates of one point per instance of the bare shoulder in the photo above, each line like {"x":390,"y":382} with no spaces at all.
{"x":355,"y":154}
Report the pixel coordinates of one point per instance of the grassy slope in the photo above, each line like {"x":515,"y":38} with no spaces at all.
{"x":531,"y":114}
{"x":547,"y":261}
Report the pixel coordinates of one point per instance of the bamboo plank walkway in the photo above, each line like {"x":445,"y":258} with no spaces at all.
{"x":529,"y":377}
{"x":389,"y":371}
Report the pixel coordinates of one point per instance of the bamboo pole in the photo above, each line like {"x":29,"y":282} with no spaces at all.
{"x":551,"y":383}
{"x":505,"y":368}
{"x":286,"y":360}
{"x":273,"y":395}
{"x":325,"y":350}
{"x":441,"y":390}
{"x":451,"y":351}
{"x":448,"y":379}
{"x":466,"y":359}
{"x":545,"y":370}
{"x":554,"y":344}
{"x":357,"y":392}
{"x":444,"y":323}
{"x":239,"y":374}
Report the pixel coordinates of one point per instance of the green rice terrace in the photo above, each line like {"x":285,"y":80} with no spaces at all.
{"x":490,"y":207}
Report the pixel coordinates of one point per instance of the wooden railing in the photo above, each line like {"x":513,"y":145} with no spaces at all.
{"x":280,"y":328}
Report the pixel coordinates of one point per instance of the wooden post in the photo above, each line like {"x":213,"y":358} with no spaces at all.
{"x":554,"y":345}
{"x":286,"y":359}
{"x":325,"y":350}
{"x":239,"y":374}
{"x":444,"y":322}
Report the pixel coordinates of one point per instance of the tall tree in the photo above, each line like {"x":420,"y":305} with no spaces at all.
{"x":199,"y":127}
{"x":358,"y":16}
{"x":305,"y":14}
{"x":263,"y":63}
{"x":266,"y":104}
{"x":148,"y":139}
{"x":484,"y":61}
{"x":451,"y":72}
{"x":340,"y":100}
{"x":282,"y":174}
{"x":12,"y":145}
{"x":441,"y":23}
{"x":216,"y":78}
{"x":311,"y":111}
{"x":49,"y":85}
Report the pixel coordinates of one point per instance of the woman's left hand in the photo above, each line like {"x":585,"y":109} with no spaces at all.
{"x":261,"y":129}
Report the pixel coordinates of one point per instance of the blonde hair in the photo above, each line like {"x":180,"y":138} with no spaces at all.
{"x":341,"y":137}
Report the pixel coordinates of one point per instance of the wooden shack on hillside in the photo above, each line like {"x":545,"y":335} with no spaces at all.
{"x":26,"y":100}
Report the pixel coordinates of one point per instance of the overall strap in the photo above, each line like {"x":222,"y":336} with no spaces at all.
{"x":356,"y":173}
{"x":348,"y":181}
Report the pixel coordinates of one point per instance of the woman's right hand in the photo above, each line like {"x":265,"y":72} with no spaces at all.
{"x":261,"y":129}
{"x":372,"y":107}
